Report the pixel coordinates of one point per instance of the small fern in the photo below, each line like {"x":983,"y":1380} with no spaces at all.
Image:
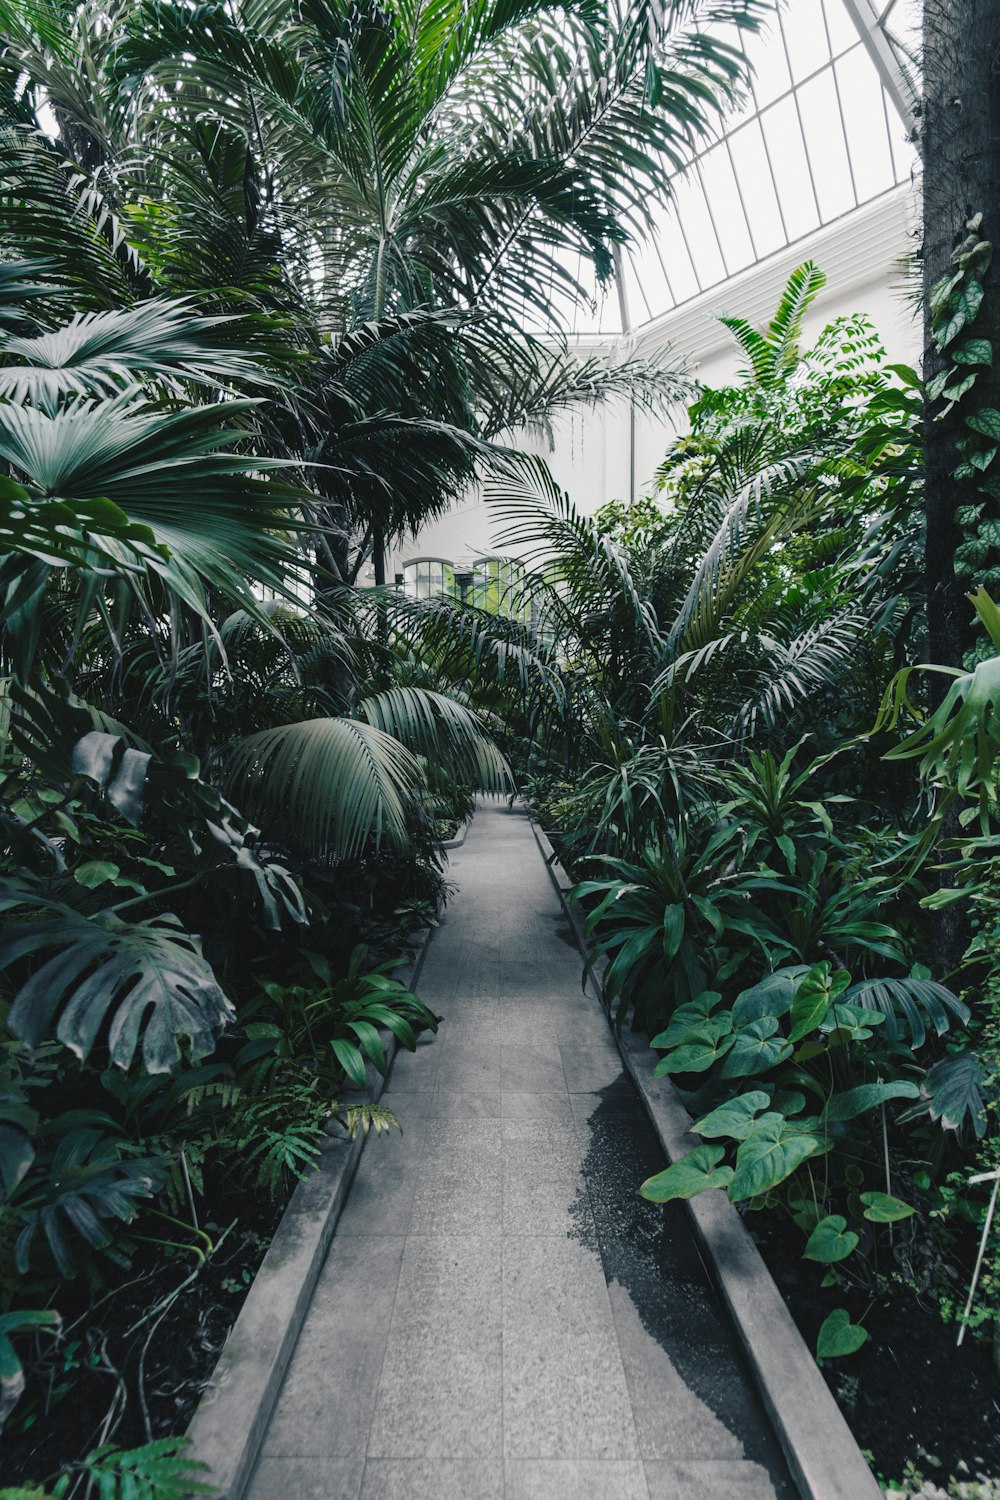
{"x":280,"y":1136}
{"x":156,"y":1471}
{"x":370,"y":1117}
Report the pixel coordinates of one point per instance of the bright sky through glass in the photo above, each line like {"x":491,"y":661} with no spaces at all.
{"x":819,"y":136}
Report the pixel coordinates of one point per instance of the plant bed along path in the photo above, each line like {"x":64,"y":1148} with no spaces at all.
{"x":501,"y":1317}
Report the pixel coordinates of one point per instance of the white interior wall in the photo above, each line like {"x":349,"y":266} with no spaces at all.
{"x":600,"y":454}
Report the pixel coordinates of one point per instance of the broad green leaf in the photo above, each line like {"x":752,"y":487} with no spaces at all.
{"x":954,"y":1091}
{"x":756,"y":1048}
{"x":885,"y":1208}
{"x":771,"y":1152}
{"x":145,"y":981}
{"x":734,"y":1118}
{"x":696,"y":1056}
{"x":350,"y":1059}
{"x":813,"y":997}
{"x":699,"y":1170}
{"x":95,"y":873}
{"x":839,"y":1336}
{"x":973,"y":352}
{"x":771,"y":997}
{"x":831,"y":1240}
{"x":687,"y":1020}
{"x":853,"y":1102}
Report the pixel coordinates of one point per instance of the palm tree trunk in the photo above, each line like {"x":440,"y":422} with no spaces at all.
{"x":961,"y":152}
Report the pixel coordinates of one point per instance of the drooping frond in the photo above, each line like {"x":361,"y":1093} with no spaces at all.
{"x":329,"y":786}
{"x":447,"y":734}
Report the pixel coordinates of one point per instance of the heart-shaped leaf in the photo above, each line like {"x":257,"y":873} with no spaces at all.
{"x":687,"y":1021}
{"x":884,"y":1208}
{"x":694,"y":1173}
{"x":770,"y":1153}
{"x":756,"y":1048}
{"x":711,"y":1042}
{"x":816,"y":992}
{"x":735,"y":1118}
{"x":831,"y":1240}
{"x":771,"y":997}
{"x":839,"y":1336}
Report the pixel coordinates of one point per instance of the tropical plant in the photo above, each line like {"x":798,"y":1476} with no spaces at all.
{"x":786,"y":1076}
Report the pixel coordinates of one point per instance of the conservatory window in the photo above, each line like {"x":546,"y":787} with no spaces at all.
{"x":429,"y":578}
{"x":496,"y":586}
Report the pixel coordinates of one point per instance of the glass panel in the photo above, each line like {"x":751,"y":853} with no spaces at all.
{"x":754,"y":173}
{"x":841,"y":29}
{"x":692,"y":213}
{"x":805,"y":37}
{"x":675,"y":257}
{"x":649,"y":281}
{"x":826,"y":146}
{"x":770,"y":67}
{"x":727,"y":210}
{"x":428,"y":578}
{"x":864,"y":118}
{"x":790,"y":168}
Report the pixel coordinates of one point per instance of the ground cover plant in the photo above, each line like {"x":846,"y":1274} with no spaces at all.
{"x":263,"y":276}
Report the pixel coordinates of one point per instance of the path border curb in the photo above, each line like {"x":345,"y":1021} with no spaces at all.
{"x":819,"y":1446}
{"x":231,"y":1419}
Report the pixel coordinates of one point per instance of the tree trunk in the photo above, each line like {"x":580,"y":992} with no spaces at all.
{"x":961,"y":155}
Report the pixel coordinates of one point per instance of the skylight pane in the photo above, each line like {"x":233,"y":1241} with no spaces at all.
{"x":842,"y":30}
{"x":864,"y":120}
{"x":770,"y":69}
{"x":805,"y":37}
{"x":727,"y":210}
{"x":674,"y":254}
{"x":790,"y":168}
{"x":826,"y":146}
{"x":692,"y":213}
{"x":754,"y":174}
{"x":650,"y":280}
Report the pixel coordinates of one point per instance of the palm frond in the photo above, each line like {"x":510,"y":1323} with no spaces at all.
{"x":330,"y":786}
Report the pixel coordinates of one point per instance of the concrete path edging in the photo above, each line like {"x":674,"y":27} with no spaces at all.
{"x":819,"y":1447}
{"x":231,"y":1419}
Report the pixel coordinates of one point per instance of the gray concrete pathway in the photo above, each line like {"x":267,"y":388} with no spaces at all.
{"x":501,"y":1317}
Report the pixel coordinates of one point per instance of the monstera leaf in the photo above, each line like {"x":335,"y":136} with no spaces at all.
{"x":146,"y":981}
{"x":88,"y":1187}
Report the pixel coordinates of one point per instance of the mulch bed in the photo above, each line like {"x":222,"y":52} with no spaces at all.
{"x":129,"y":1367}
{"x":909,"y":1394}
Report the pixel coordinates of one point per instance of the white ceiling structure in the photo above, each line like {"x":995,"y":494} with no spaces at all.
{"x":826,"y":130}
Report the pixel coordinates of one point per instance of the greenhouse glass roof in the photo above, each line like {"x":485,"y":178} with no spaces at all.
{"x":826,"y":128}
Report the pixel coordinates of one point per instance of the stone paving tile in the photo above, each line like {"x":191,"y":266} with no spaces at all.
{"x":714,"y":1479}
{"x":537,"y":1107}
{"x":564,"y":1396}
{"x":344,"y":1336}
{"x":381,"y":1195}
{"x":574,"y":1479}
{"x":534,"y":1205}
{"x":432,"y":1479}
{"x":307,"y":1479}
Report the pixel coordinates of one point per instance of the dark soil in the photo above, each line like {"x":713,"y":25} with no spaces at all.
{"x":109,"y":1379}
{"x":909,"y":1391}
